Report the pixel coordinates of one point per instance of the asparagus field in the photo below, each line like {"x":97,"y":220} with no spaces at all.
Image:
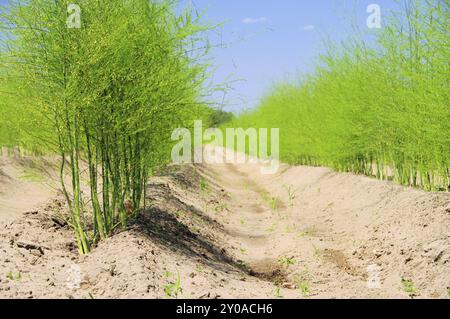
{"x":109,"y":93}
{"x":378,"y":110}
{"x":126,"y":171}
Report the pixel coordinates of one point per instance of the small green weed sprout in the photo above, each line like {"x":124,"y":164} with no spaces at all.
{"x":408,"y":287}
{"x":286,"y":261}
{"x":173,"y":290}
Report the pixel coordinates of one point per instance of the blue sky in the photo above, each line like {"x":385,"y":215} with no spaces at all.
{"x":268,"y":41}
{"x":275,"y":40}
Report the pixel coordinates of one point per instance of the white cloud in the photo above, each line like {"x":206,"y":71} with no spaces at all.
{"x":309,"y":27}
{"x":255,"y":20}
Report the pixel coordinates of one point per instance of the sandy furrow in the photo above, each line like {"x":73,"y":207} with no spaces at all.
{"x":330,"y":234}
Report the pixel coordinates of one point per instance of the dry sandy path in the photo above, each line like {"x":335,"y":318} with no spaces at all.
{"x":25,"y":185}
{"x":330,"y":233}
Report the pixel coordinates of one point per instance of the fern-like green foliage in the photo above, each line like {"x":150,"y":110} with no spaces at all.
{"x":109,"y":93}
{"x":380,"y":109}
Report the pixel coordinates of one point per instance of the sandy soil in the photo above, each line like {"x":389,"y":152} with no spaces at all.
{"x":25,"y":183}
{"x":226,"y":231}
